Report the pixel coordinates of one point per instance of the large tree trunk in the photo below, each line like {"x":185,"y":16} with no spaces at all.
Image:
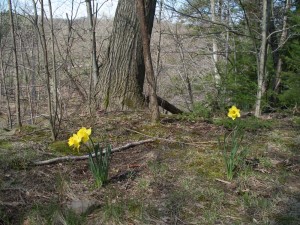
{"x":122,"y":75}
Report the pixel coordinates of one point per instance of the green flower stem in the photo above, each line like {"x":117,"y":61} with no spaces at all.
{"x":232,"y":150}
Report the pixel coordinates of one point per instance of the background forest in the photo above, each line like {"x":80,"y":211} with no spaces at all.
{"x":62,"y":69}
{"x":207,"y":55}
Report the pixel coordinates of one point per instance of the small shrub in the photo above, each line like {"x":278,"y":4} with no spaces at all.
{"x":249,"y":124}
{"x":296,"y":121}
{"x":199,"y":111}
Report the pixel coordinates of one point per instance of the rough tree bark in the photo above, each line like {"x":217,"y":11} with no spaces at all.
{"x":122,"y":75}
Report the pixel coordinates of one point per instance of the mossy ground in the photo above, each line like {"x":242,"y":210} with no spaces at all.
{"x":178,"y":179}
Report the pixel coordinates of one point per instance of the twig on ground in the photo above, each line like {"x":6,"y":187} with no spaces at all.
{"x":223,"y":181}
{"x":197,"y":144}
{"x":12,"y":204}
{"x":68,"y":158}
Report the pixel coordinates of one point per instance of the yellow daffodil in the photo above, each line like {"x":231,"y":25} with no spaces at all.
{"x":234,"y":112}
{"x":74,"y":141}
{"x":84,"y":134}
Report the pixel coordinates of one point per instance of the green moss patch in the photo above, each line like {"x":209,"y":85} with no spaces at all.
{"x":63,"y":148}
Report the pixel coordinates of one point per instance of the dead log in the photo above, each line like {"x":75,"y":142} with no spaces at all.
{"x":73,"y":158}
{"x":166,"y":105}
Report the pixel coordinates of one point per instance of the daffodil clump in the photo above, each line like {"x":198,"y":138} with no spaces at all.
{"x":99,"y":157}
{"x":231,"y":145}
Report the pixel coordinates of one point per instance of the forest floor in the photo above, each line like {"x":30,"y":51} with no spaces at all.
{"x":179,"y":178}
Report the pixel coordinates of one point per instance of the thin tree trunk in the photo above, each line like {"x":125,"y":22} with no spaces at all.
{"x":94,"y":73}
{"x":17,"y":82}
{"x":186,"y":75}
{"x":47,"y":71}
{"x":262,"y":59}
{"x":158,"y":65}
{"x":3,"y":72}
{"x":283,"y":38}
{"x":57,"y":110}
{"x":215,"y":46}
{"x":27,"y":83}
{"x":94,"y":69}
{"x":148,"y":61}
{"x":35,"y":58}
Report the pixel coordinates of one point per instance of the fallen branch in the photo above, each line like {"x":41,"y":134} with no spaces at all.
{"x":68,"y":158}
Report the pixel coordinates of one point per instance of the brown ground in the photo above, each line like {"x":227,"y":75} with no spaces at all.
{"x":174,"y":181}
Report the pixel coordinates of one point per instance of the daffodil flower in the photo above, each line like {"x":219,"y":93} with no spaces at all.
{"x":234,"y":112}
{"x":84,"y":134}
{"x":74,"y":141}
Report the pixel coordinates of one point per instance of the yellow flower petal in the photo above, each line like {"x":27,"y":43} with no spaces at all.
{"x":234,"y":112}
{"x":74,"y":141}
{"x":84,"y":134}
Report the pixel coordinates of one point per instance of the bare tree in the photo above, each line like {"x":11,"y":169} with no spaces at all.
{"x":282,"y":40}
{"x":47,"y":70}
{"x":214,"y":44}
{"x":4,"y":86}
{"x":17,"y":79}
{"x":185,"y":75}
{"x":54,"y":71}
{"x":92,"y":23}
{"x":262,"y":58}
{"x":24,"y":60}
{"x":94,"y":73}
{"x":67,"y":56}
